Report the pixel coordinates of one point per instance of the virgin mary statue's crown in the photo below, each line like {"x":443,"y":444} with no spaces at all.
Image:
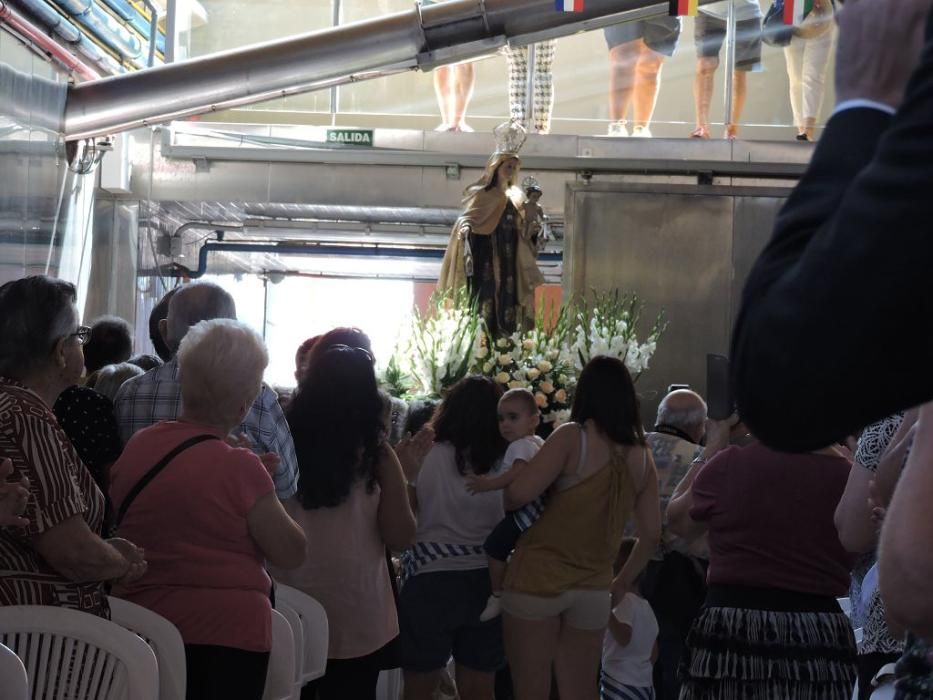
{"x":510,"y":137}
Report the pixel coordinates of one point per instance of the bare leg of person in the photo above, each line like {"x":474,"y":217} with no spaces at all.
{"x":420,"y":686}
{"x":703,"y":93}
{"x":443,"y":89}
{"x":576,"y":665}
{"x":463,"y":91}
{"x":739,"y":93}
{"x":475,"y":685}
{"x":622,"y":62}
{"x":530,"y":647}
{"x":647,"y":86}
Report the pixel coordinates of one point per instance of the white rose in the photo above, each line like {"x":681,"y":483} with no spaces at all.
{"x":502,"y":343}
{"x":503,"y":377}
{"x":533,"y":373}
{"x":516,"y":384}
{"x":528,"y":344}
{"x":487,"y":368}
{"x":482,"y":352}
{"x":545,"y":366}
{"x":505,"y":360}
{"x":546,"y":387}
{"x":541,"y":400}
{"x":553,"y":354}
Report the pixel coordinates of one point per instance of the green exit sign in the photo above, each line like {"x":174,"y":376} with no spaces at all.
{"x":350,"y":137}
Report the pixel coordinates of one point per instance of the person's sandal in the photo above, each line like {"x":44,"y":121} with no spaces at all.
{"x":701,"y":132}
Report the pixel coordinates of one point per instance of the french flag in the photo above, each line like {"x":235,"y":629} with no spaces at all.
{"x":569,"y":5}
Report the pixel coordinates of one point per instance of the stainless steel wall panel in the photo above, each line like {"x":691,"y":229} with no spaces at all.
{"x":687,"y":253}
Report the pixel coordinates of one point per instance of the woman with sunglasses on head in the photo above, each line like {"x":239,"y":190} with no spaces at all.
{"x":352,"y":504}
{"x":58,"y":558}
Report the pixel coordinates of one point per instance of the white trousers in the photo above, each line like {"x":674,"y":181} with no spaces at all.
{"x":807,"y":66}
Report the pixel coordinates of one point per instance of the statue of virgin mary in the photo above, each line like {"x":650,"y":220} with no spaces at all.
{"x":487,"y":252}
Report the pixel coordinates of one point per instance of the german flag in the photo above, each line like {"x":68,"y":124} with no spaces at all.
{"x":683,"y":8}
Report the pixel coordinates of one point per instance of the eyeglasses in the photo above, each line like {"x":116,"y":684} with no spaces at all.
{"x":83,"y":334}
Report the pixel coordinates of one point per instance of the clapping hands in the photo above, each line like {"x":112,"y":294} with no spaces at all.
{"x":13,"y":497}
{"x":412,"y":449}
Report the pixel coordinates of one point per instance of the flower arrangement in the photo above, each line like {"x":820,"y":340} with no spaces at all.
{"x":451,"y":341}
{"x":438,"y":349}
{"x":607,"y":326}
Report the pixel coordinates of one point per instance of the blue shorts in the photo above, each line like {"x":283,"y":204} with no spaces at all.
{"x":438,"y":616}
{"x":660,"y":34}
{"x":709,"y":33}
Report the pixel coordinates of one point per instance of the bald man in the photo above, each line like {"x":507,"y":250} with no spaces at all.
{"x":674,"y":582}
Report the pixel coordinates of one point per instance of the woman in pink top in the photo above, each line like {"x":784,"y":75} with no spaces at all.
{"x":352,"y":504}
{"x":210,"y":518}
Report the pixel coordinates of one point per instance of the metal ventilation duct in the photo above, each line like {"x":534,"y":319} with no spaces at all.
{"x":418,"y":37}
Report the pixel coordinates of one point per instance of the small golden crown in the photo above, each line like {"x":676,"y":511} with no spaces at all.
{"x":510,"y":137}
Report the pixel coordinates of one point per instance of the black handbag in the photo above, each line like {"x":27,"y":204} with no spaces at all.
{"x":773,"y":30}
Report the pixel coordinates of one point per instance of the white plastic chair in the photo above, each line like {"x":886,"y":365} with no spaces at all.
{"x":165,"y":640}
{"x":314,"y":626}
{"x":280,"y":678}
{"x":389,"y":686}
{"x":294,"y":621}
{"x":13,"y":677}
{"x":79,"y":656}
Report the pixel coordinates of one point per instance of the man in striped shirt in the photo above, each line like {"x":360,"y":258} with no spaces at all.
{"x":156,"y":395}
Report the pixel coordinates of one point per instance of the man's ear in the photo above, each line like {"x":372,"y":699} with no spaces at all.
{"x":163,"y":331}
{"x":58,"y":353}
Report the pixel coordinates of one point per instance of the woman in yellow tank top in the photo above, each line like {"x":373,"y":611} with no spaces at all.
{"x":596,"y":472}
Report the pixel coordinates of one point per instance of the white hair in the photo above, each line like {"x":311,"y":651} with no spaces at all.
{"x":111,"y":377}
{"x":193,"y":303}
{"x":686,"y":419}
{"x":220,"y":365}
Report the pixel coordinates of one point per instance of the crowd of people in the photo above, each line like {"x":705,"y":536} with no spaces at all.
{"x":702,"y":559}
{"x":637,"y":51}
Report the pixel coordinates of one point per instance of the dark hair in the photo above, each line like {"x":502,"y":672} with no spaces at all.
{"x":420,"y":413}
{"x":351,"y":337}
{"x":111,"y":343}
{"x":625,"y":551}
{"x":467,"y":419}
{"x":301,"y":356}
{"x":336,"y":413}
{"x":160,"y":313}
{"x":605,"y":394}
{"x":145,"y":361}
{"x":35,"y":312}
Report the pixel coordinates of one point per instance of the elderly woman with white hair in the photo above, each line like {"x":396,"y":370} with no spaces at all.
{"x":208,"y":516}
{"x":54,"y":555}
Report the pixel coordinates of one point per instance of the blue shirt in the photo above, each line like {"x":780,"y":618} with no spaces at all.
{"x":156,"y":396}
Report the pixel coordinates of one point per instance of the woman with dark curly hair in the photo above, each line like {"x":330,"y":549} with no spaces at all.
{"x":352,"y":504}
{"x":447,"y":577}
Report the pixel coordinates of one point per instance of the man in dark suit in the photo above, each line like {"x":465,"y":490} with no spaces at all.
{"x":835,"y":327}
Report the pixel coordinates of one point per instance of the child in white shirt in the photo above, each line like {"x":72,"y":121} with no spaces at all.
{"x":630,"y":646}
{"x":518,"y":421}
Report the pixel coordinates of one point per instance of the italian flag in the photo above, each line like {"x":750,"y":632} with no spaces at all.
{"x":569,"y":5}
{"x":683,"y":8}
{"x":796,"y":10}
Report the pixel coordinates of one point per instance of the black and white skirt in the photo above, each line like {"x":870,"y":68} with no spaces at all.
{"x":804,"y":650}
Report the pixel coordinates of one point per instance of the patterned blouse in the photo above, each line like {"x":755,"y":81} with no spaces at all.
{"x":60,"y":487}
{"x":871,"y":446}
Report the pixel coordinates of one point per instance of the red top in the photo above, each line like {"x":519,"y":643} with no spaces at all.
{"x":205,"y":572}
{"x":770,"y":518}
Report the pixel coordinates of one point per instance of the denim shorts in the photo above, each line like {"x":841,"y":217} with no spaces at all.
{"x":439,"y":618}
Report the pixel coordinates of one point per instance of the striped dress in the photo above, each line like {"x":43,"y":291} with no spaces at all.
{"x":60,"y":487}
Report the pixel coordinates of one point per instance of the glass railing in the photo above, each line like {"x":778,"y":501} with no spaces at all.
{"x":592,"y":83}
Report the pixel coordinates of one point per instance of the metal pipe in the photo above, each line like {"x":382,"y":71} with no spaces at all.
{"x":290,"y":66}
{"x":364,"y":214}
{"x":318,"y":251}
{"x":153,"y":31}
{"x":36,"y":36}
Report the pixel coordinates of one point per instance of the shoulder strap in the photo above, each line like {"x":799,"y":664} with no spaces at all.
{"x":154,"y":472}
{"x":582,"y":459}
